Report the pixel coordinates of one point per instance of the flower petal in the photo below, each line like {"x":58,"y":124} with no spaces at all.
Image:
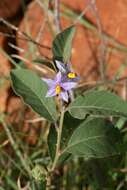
{"x":64,"y":96}
{"x":58,"y":78}
{"x":49,"y":82}
{"x":61,"y":66}
{"x":51,"y":92}
{"x":68,"y":85}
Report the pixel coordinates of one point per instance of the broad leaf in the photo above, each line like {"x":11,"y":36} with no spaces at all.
{"x":94,"y":138}
{"x":62,"y":45}
{"x":69,"y":125}
{"x":52,"y":140}
{"x":33,"y":90}
{"x":98,"y":103}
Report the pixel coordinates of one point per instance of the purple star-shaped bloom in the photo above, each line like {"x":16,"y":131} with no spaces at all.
{"x":67,"y":73}
{"x":59,"y":87}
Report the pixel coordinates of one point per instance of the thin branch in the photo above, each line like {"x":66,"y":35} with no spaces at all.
{"x":35,"y":120}
{"x":21,"y":33}
{"x":59,"y":133}
{"x":88,"y":6}
{"x":20,"y":58}
{"x":57,"y":15}
{"x":41,"y":30}
{"x":16,"y":47}
{"x":99,"y":83}
{"x":103,"y":46}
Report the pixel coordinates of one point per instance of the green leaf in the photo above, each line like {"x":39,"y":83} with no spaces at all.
{"x":95,"y":138}
{"x":33,"y":90}
{"x":62,"y":45}
{"x":99,"y":103}
{"x":69,"y":125}
{"x":52,"y":140}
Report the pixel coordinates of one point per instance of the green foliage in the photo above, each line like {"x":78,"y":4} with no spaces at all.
{"x":69,"y":125}
{"x":62,"y":45}
{"x":52,"y":140}
{"x":94,"y":138}
{"x":98,"y":103}
{"x":33,"y":91}
{"x":78,"y":130}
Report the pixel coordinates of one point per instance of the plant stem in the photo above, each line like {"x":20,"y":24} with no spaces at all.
{"x":59,"y":133}
{"x":48,"y":182}
{"x":57,"y":15}
{"x":103,"y":44}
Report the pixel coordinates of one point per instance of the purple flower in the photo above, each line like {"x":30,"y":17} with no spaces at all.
{"x":59,"y":87}
{"x":67,"y":73}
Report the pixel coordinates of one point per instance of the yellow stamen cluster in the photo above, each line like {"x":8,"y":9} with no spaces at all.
{"x":71,"y":75}
{"x":58,"y":89}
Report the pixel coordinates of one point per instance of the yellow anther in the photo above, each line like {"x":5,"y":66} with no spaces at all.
{"x":58,"y":89}
{"x":71,"y":75}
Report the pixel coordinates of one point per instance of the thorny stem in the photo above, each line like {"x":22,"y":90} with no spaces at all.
{"x":59,"y":133}
{"x":57,"y":154}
